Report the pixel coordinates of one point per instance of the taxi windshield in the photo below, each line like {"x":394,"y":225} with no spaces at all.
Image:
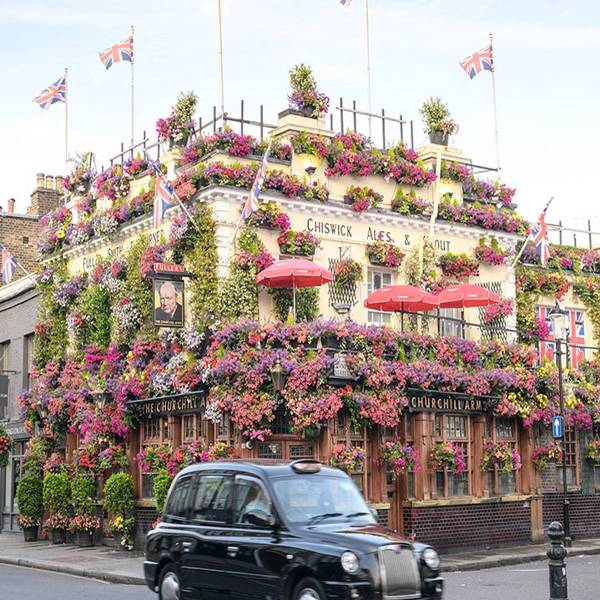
{"x":310,"y":499}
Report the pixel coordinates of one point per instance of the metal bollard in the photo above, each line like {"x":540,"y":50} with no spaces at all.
{"x":558,"y":570}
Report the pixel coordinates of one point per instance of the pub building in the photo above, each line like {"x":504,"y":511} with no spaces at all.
{"x":446,"y":509}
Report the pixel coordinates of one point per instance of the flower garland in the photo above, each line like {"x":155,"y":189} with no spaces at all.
{"x":348,"y":458}
{"x":502,"y":455}
{"x":542,"y":455}
{"x":401,"y":458}
{"x":447,"y":455}
{"x":384,"y":253}
{"x":362,"y":198}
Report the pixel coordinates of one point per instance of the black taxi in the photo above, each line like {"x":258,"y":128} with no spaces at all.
{"x":274,"y":529}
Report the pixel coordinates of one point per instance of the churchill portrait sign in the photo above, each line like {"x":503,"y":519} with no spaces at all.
{"x":168,"y":303}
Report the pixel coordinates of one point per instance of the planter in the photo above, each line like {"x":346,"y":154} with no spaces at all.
{"x":84,"y":538}
{"x":288,"y":252}
{"x":58,"y":536}
{"x":30,"y":533}
{"x":118,"y":537}
{"x":439,"y":137}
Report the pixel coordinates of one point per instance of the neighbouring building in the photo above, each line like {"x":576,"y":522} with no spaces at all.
{"x":460,"y":391}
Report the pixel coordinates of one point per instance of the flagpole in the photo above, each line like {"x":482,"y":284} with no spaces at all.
{"x":132,"y":90}
{"x":221,"y":60}
{"x":494,"y":104}
{"x":528,"y":238}
{"x":368,"y":61}
{"x":66,"y":125}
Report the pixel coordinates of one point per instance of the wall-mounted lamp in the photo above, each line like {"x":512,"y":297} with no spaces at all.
{"x":278,"y":376}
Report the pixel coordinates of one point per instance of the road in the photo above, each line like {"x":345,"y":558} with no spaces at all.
{"x":528,"y":581}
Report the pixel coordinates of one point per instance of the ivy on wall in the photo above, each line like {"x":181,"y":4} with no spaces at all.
{"x":307,"y":303}
{"x":587,"y":289}
{"x":95,"y":304}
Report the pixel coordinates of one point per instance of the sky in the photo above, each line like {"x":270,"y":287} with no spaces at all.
{"x":546,"y":60}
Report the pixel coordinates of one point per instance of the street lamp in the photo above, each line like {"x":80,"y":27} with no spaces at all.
{"x":278,"y":376}
{"x":559,"y":318}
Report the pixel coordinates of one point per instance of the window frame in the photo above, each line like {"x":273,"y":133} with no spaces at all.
{"x":466,"y":443}
{"x":198,"y":476}
{"x":171,"y":518}
{"x":494,"y":474}
{"x":381,"y":316}
{"x":265,"y":491}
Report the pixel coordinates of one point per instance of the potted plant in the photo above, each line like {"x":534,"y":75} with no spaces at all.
{"x":83,"y":492}
{"x":176,"y":127}
{"x":401,"y":458}
{"x":447,"y":455}
{"x":459,"y":266}
{"x":362,"y":198}
{"x":5,"y":446}
{"x":56,"y":496}
{"x":79,"y":181}
{"x":502,"y":455}
{"x":31,"y":505}
{"x":270,"y":216}
{"x":438,"y":124}
{"x":298,"y":243}
{"x":304,"y":96}
{"x":119,"y":502}
{"x":347,"y":272}
{"x":492,"y":254}
{"x":543,"y":455}
{"x":347,"y":458}
{"x":385,"y":254}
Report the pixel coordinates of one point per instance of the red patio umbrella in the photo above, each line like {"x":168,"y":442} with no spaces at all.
{"x":294,"y":273}
{"x":401,"y":298}
{"x":466,"y":296}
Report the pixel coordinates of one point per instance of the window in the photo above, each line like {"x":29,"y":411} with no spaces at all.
{"x":178,"y":500}
{"x":249,"y":497}
{"x":155,"y":432}
{"x":193,"y":427}
{"x":213,"y":496}
{"x":376,"y":279}
{"x":27,"y":360}
{"x":450,"y":322}
{"x":454,"y":429}
{"x":570,"y":448}
{"x":501,"y":430}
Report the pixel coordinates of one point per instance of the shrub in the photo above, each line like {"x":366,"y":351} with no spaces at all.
{"x":160,"y":489}
{"x":30,"y":496}
{"x":83,"y":491}
{"x":57,"y":492}
{"x":118,"y":494}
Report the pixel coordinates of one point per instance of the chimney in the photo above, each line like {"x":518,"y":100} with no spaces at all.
{"x":40,"y":177}
{"x":59,"y":183}
{"x":11,"y":205}
{"x":49,"y":182}
{"x":44,"y":198}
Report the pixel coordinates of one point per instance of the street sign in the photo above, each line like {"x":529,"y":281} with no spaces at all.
{"x":557,"y":427}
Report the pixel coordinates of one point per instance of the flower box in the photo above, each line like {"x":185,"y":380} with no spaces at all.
{"x":58,"y":536}
{"x":85,"y":539}
{"x":30,"y":533}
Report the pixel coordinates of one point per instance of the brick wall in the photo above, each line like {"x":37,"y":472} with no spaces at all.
{"x":469,"y":525}
{"x":584,"y":512}
{"x":144,"y":517}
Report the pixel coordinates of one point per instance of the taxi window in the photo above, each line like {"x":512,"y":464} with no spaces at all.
{"x":213,"y":498}
{"x":178,"y":500}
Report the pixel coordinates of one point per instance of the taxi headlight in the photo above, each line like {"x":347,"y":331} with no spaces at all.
{"x":349,"y":562}
{"x":431,"y":558}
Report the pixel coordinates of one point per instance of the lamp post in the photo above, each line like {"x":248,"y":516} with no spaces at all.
{"x":561,"y":331}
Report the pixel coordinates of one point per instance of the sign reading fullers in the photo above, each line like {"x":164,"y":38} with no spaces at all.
{"x":441,"y":403}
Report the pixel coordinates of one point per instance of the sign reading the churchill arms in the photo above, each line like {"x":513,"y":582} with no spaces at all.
{"x":170,"y":405}
{"x":424,"y":402}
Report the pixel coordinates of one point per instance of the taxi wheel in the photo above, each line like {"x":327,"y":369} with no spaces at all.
{"x":169,"y":584}
{"x":309,"y":589}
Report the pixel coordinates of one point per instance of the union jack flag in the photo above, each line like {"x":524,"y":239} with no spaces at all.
{"x":120,"y":51}
{"x":576,"y":337}
{"x":56,"y":92}
{"x":483,"y":60}
{"x":162,"y":198}
{"x":539,"y":235}
{"x":251,"y":203}
{"x":547,"y":345}
{"x":9,"y":265}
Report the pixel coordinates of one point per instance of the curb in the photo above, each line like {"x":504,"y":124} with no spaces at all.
{"x":490,"y":563}
{"x":69,"y":570}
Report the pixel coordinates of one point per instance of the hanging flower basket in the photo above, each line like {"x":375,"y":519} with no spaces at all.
{"x":446,"y":455}
{"x":491,"y":254}
{"x":384,"y":254}
{"x":347,"y":272}
{"x":5,"y":446}
{"x":400,"y":458}
{"x":347,"y":458}
{"x":362,"y":198}
{"x":269,"y":216}
{"x":592,"y":451}
{"x":459,"y":266}
{"x":543,"y":455}
{"x":298,"y":243}
{"x":502,"y":455}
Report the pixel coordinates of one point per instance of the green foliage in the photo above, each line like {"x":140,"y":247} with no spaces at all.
{"x":83,"y":491}
{"x":307,"y":303}
{"x":239,"y":292}
{"x":30,"y":496}
{"x":202,"y":261}
{"x":35,"y":456}
{"x":587,"y":289}
{"x":436,"y":116}
{"x":57,"y":493}
{"x":302,"y":78}
{"x":95,"y":303}
{"x":118,"y":494}
{"x":160,"y":489}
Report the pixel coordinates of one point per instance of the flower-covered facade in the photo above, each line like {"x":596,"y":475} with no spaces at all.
{"x":423,"y":419}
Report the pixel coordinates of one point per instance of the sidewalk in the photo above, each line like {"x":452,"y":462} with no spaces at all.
{"x":117,"y":566}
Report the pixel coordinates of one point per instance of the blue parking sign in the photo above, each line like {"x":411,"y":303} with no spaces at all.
{"x":557,"y":427}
